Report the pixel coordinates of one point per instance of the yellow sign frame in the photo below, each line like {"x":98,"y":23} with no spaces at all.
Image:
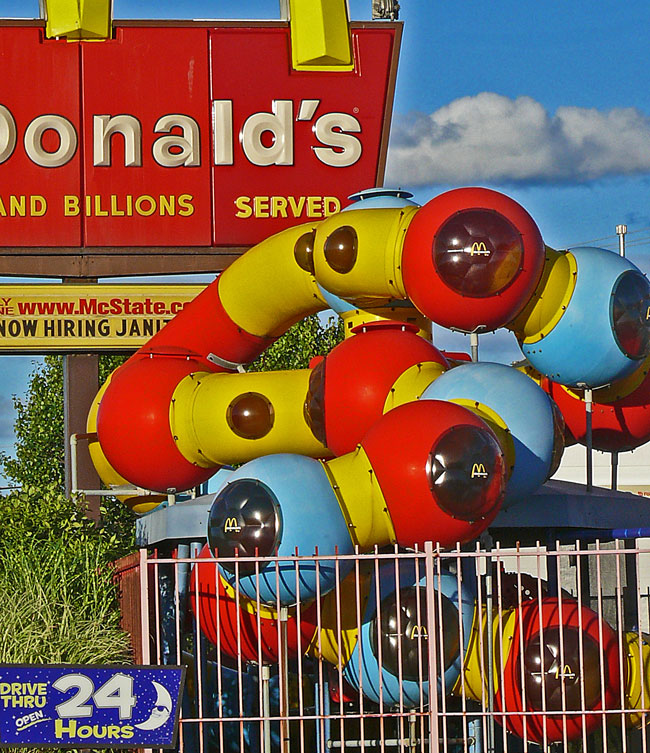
{"x":58,"y":318}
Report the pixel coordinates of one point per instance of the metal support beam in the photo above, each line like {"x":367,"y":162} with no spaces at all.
{"x":589,"y":407}
{"x":621,"y":231}
{"x":473,"y":339}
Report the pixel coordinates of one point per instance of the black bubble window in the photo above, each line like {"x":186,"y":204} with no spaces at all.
{"x":478,"y":252}
{"x":401,"y":629}
{"x":466,"y":471}
{"x":303,"y":252}
{"x":244,"y":520}
{"x":553,"y":668}
{"x":630,"y":314}
{"x":341,"y":249}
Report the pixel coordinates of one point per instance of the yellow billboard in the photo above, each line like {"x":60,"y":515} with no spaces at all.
{"x":87,"y":318}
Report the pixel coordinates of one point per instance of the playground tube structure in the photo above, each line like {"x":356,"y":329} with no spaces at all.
{"x":385,"y":440}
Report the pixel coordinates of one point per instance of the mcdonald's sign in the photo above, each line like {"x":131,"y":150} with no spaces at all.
{"x":155,"y":136}
{"x":564,"y":673}
{"x":479,"y":249}
{"x":231,"y":526}
{"x":478,"y":471}
{"x":418,"y":631}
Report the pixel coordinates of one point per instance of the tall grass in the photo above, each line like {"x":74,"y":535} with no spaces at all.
{"x":57,"y":600}
{"x":59,"y":606}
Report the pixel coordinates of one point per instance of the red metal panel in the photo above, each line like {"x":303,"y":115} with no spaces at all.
{"x":251,"y":67}
{"x":38,"y":78}
{"x":147,"y":73}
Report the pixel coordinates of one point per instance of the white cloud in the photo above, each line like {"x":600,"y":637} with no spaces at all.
{"x":492,"y":138}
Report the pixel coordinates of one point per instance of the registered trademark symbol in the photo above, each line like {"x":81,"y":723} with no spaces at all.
{"x":355,"y":109}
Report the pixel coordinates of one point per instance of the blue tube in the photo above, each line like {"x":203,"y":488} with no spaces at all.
{"x":592,"y":534}
{"x":630,"y":533}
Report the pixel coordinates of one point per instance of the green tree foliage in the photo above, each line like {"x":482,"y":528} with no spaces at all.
{"x":40,"y":444}
{"x":39,"y":429}
{"x":40,"y":449}
{"x":301,"y":343}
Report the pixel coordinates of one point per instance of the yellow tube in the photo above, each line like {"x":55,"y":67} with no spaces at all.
{"x":338,"y":616}
{"x":361,"y":499}
{"x":637,"y":685}
{"x":220,"y":419}
{"x":473,"y":681}
{"x":410,"y":384}
{"x":266,"y":290}
{"x":409,"y":314}
{"x":357,"y":254}
{"x":550,"y":299}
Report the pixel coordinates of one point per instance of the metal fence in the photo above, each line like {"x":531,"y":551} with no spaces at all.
{"x":475,"y":650}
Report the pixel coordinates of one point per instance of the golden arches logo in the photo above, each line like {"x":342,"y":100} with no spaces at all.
{"x":565,"y":673}
{"x":231,"y":526}
{"x":419,"y":631}
{"x":479,"y":248}
{"x":478,"y":471}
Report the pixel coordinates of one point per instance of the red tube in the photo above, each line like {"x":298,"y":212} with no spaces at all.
{"x":133,"y":417}
{"x":203,"y":327}
{"x":617,"y":426}
{"x":359,"y":374}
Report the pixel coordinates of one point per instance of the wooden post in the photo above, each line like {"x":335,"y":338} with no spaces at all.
{"x":80,"y":385}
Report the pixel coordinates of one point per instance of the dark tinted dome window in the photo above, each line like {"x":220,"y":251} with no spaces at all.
{"x":562,"y":668}
{"x":478,"y":252}
{"x":250,"y":415}
{"x":559,"y":429}
{"x":341,"y":249}
{"x":303,"y":251}
{"x":408,"y":635}
{"x":245,"y":517}
{"x":629,"y":313}
{"x":314,"y":407}
{"x":467,"y":472}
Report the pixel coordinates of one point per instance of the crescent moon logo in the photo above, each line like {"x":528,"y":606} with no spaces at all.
{"x":161,"y":711}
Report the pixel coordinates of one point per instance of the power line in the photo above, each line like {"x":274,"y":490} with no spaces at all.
{"x":606,"y":237}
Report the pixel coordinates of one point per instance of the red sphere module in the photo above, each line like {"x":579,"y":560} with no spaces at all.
{"x":472,"y":258}
{"x":554,"y":667}
{"x":441,"y":470}
{"x":349,"y":387}
{"x":133,"y":424}
{"x":621,"y":412}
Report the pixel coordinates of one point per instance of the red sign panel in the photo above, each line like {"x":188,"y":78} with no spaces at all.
{"x":290,"y":146}
{"x":183,"y":136}
{"x":38,"y":165}
{"x":144,"y":186}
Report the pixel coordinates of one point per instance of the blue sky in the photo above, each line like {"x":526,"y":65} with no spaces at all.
{"x":547,"y":102}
